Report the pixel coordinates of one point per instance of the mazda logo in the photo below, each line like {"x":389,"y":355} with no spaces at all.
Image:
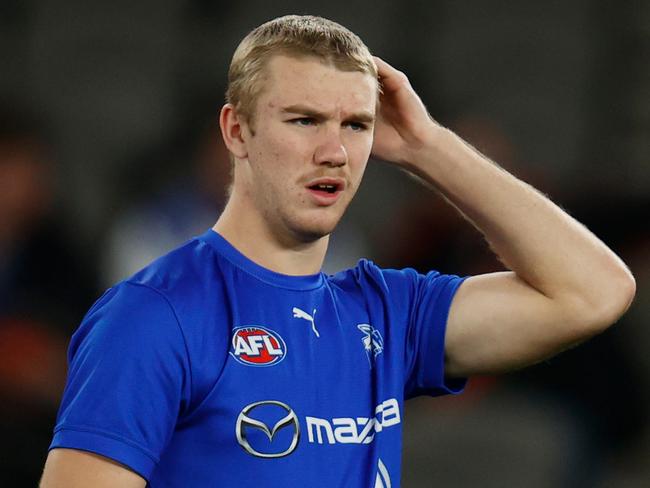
{"x":246,"y":421}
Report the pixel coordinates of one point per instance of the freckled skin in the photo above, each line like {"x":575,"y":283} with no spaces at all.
{"x":284,"y":155}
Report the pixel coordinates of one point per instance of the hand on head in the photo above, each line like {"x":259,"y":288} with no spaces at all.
{"x":403,"y":123}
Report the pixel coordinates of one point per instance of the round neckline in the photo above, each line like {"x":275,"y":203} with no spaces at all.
{"x":232,"y":254}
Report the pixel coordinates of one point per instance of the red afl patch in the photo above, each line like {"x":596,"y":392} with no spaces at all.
{"x":255,"y":345}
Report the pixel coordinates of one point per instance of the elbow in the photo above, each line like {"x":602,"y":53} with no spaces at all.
{"x":613,"y":300}
{"x":626,"y":290}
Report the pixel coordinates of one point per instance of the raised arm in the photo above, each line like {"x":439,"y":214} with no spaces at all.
{"x":69,"y":468}
{"x":564,"y":286}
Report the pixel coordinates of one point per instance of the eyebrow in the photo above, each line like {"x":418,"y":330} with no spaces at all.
{"x":362,"y":116}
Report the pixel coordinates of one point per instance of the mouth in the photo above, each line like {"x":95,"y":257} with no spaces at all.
{"x":326,"y":190}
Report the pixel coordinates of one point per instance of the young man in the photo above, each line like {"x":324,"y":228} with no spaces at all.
{"x":233,"y":360}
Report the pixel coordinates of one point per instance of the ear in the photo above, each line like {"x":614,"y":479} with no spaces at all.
{"x":232,"y":131}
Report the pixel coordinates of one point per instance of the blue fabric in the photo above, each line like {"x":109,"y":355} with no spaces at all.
{"x":206,"y":369}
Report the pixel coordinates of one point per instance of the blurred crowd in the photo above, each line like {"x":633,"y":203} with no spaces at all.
{"x":45,"y":286}
{"x":578,"y":420}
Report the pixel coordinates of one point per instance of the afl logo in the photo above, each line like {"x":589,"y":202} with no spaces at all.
{"x":254,"y":345}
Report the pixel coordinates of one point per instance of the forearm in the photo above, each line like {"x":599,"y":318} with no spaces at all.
{"x":532,"y":236}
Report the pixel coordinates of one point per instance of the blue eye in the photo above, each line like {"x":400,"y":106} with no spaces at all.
{"x":357,"y":126}
{"x":304,"y":121}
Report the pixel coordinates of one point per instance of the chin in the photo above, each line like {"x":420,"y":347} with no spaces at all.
{"x":313,"y":229}
{"x":311,"y":234}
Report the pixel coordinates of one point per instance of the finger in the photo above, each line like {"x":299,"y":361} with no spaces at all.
{"x":390,"y":78}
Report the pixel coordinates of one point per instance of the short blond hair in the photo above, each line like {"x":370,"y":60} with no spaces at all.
{"x":295,"y":36}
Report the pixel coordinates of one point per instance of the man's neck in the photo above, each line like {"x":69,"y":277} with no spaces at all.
{"x":251,"y":236}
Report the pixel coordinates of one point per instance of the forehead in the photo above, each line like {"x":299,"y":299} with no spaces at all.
{"x":294,"y":81}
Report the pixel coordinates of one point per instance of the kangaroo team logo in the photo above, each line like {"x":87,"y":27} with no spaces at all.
{"x":373,"y":343}
{"x":254,"y":345}
{"x":383,"y":477}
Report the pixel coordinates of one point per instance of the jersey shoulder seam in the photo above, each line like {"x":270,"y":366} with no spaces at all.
{"x":178,"y":324}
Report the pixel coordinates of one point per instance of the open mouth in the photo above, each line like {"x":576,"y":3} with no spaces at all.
{"x":324,"y":187}
{"x":326,"y":191}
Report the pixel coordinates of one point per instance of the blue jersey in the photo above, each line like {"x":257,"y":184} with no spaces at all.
{"x":206,"y":369}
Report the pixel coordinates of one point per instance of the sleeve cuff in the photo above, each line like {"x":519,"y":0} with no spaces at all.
{"x":107,"y":445}
{"x":431,"y":379}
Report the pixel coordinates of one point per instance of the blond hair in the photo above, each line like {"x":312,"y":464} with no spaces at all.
{"x":294,"y":36}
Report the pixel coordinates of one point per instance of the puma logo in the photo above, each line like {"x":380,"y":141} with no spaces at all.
{"x":301,"y":314}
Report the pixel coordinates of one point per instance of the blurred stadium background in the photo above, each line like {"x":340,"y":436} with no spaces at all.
{"x":110,"y":155}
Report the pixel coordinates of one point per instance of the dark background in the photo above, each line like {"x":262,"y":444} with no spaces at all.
{"x":109,"y":156}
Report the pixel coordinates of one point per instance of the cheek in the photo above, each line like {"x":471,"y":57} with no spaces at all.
{"x":278,"y":148}
{"x":360,"y":152}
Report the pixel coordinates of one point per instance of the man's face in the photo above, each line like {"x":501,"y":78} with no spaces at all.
{"x":313,"y":127}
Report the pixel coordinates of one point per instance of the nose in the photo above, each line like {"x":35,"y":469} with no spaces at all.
{"x":330,"y":150}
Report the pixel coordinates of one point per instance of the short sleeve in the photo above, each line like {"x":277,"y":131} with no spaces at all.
{"x":427,"y":299}
{"x":128,"y":379}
